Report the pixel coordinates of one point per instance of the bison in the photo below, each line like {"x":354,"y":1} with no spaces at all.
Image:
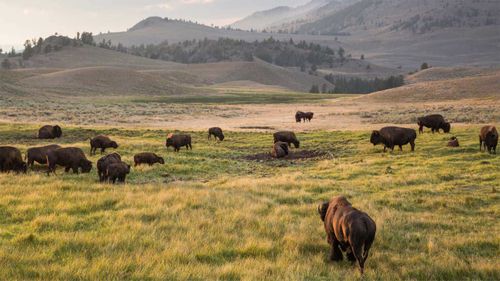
{"x":216,"y":132}
{"x":118,"y":171}
{"x":308,"y":116}
{"x":489,"y":138}
{"x":348,"y":230}
{"x":435,"y":122}
{"x":391,"y":136}
{"x":49,"y":132}
{"x":147,"y":158}
{"x":101,"y":142}
{"x":104,"y":162}
{"x":69,"y":158}
{"x":280,"y":150}
{"x":11,"y":160}
{"x":178,"y":141}
{"x":288,"y":137}
{"x":39,"y":154}
{"x":299,"y":115}
{"x":453,"y":142}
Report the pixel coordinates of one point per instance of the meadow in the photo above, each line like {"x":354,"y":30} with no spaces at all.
{"x":213,"y":214}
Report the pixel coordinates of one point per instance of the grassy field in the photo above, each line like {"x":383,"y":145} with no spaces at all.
{"x":210,"y":214}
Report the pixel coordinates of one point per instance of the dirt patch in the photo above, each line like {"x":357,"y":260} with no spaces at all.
{"x":294,"y":155}
{"x":257,"y":128}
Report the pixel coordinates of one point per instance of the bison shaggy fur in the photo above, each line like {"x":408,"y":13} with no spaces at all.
{"x":216,"y":132}
{"x":435,"y":122}
{"x":488,"y":137}
{"x":392,"y":136}
{"x":178,"y":141}
{"x":11,"y":159}
{"x":147,"y":158}
{"x":288,"y":137}
{"x":101,"y":142}
{"x":104,"y":162}
{"x":49,"y":132}
{"x":118,"y":171}
{"x":39,"y":154}
{"x":280,"y":150}
{"x":70,"y":158}
{"x":453,"y":142}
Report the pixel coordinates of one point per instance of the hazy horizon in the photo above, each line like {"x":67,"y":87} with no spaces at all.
{"x":25,"y":19}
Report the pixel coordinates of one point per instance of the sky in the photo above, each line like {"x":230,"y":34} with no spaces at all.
{"x":23,"y":19}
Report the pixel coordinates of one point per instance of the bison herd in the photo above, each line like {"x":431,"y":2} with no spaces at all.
{"x":348,"y":230}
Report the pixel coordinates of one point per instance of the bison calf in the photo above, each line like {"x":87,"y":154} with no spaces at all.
{"x":453,"y":142}
{"x":104,"y":163}
{"x":489,"y":138}
{"x":39,"y":154}
{"x":348,"y":230}
{"x":288,"y":137}
{"x":392,"y":136}
{"x":178,"y":141}
{"x":69,"y":158}
{"x":118,"y":171}
{"x":11,"y":160}
{"x":101,"y":142}
{"x":147,"y":158}
{"x":435,"y":122}
{"x":49,"y":132}
{"x":216,"y":132}
{"x":280,"y":150}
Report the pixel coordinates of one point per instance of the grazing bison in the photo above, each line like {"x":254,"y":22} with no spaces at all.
{"x":308,"y":116}
{"x":69,"y":158}
{"x":391,"y":136}
{"x":147,"y":158}
{"x":39,"y":154}
{"x":49,"y":132}
{"x":288,"y":137}
{"x":103,"y":164}
{"x":11,"y":160}
{"x":489,"y":138}
{"x":453,"y":142}
{"x":216,"y":132}
{"x":299,"y":115}
{"x":348,"y":230}
{"x":101,"y":142}
{"x":178,"y":141}
{"x":435,"y":122}
{"x":280,"y":150}
{"x":118,"y":171}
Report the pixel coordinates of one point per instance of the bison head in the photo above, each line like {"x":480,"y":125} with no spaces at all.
{"x":221,"y":136}
{"x":169,"y":142}
{"x":376,"y":138}
{"x":446,"y":127}
{"x":492,"y":135}
{"x":128,"y":168}
{"x":296,"y":144}
{"x":21,"y":168}
{"x":86,"y":165}
{"x":56,"y":131}
{"x":113,"y":144}
{"x":161,"y":160}
{"x":322,"y":208}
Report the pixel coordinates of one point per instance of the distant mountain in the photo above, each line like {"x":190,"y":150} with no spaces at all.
{"x":265,"y":19}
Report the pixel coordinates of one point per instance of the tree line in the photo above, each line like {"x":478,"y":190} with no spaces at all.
{"x":356,"y":85}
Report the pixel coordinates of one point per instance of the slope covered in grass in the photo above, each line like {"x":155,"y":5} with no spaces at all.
{"x":211,"y":214}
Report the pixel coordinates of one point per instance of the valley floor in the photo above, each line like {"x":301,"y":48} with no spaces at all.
{"x":213,"y":214}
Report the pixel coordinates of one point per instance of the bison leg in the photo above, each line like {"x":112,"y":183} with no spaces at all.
{"x":66,"y":169}
{"x":75,"y":169}
{"x":190,"y":146}
{"x":103,"y":149}
{"x":335,"y":253}
{"x":420,"y":129}
{"x":350,"y":255}
{"x":400,"y":148}
{"x":412,"y":143}
{"x":356,"y":249}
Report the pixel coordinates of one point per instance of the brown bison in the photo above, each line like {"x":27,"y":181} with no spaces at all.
{"x":288,"y":137}
{"x":216,"y":132}
{"x":39,"y":154}
{"x":280,"y":150}
{"x":299,"y":115}
{"x":101,"y":142}
{"x":69,"y":158}
{"x":118,"y":171}
{"x":103,"y":164}
{"x":391,"y":136}
{"x":489,"y":138}
{"x":453,"y":142}
{"x":308,"y":116}
{"x":178,"y":141}
{"x":49,"y":132}
{"x":147,"y":158}
{"x":435,"y":122}
{"x":348,"y":230}
{"x":11,"y":160}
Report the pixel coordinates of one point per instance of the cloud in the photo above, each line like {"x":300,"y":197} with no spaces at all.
{"x":189,"y":2}
{"x":164,"y":6}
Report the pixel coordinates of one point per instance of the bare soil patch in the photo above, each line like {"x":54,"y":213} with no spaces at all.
{"x":294,"y":155}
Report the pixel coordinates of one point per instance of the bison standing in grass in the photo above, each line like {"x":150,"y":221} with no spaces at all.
{"x":288,"y":137}
{"x":104,"y":163}
{"x":348,"y":230}
{"x":435,"y":122}
{"x":101,"y":142}
{"x":118,"y":171}
{"x":11,"y":160}
{"x":147,"y":158}
{"x":488,"y":138}
{"x":392,"y":136}
{"x":39,"y":154}
{"x":178,"y":141}
{"x":299,"y":115}
{"x":280,"y":150}
{"x":49,"y":132}
{"x":69,"y":158}
{"x":216,"y":132}
{"x":308,"y":116}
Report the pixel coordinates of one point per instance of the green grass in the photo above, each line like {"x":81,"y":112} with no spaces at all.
{"x":208,"y":214}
